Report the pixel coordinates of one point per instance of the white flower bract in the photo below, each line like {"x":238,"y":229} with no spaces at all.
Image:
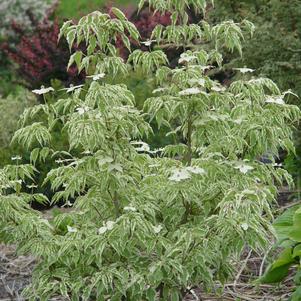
{"x":82,"y":110}
{"x":71,"y":229}
{"x":129,"y":208}
{"x":148,"y":42}
{"x":275,"y":100}
{"x":190,"y":91}
{"x":244,"y":168}
{"x":218,"y":89}
{"x":179,"y":175}
{"x":109,"y":225}
{"x":16,"y":158}
{"x":43,"y":90}
{"x":245,"y":226}
{"x":196,"y":170}
{"x":72,"y":88}
{"x":157,"y":229}
{"x":244,"y":70}
{"x":186,"y":58}
{"x":97,"y":76}
{"x":102,"y":230}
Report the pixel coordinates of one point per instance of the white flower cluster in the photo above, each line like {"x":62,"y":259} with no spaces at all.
{"x":244,"y":70}
{"x":180,"y":174}
{"x":186,"y":58}
{"x":218,"y":88}
{"x":72,"y":88}
{"x":82,"y":110}
{"x":96,"y":76}
{"x":141,"y":146}
{"x":130,"y":208}
{"x":276,"y":100}
{"x":190,"y":91}
{"x":244,"y":168}
{"x":71,"y":229}
{"x":16,"y":158}
{"x":109,"y":225}
{"x":157,"y":229}
{"x":148,"y":42}
{"x":43,"y":90}
{"x":200,"y":81}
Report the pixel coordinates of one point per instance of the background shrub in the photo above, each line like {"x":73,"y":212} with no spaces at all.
{"x":11,"y":108}
{"x":39,"y":57}
{"x":21,"y":12}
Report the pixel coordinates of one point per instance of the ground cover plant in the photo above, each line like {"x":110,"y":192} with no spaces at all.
{"x":148,"y":224}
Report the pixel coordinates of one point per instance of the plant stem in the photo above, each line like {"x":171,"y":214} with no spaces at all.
{"x":189,"y":136}
{"x":187,"y":210}
{"x":116,"y":204}
{"x":98,"y":212}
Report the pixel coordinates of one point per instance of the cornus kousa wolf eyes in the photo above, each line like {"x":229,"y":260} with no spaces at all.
{"x":148,"y":225}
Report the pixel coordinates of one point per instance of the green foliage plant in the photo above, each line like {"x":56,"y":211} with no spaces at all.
{"x":143,"y":223}
{"x":11,"y":107}
{"x":287,"y":227}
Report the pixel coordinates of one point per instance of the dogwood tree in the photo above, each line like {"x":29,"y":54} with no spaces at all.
{"x":148,"y":224}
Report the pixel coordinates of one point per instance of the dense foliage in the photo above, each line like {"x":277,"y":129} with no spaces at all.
{"x":147,"y":224}
{"x":275,"y":49}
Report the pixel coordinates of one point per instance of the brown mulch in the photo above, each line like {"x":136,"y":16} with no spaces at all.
{"x":243,"y":288}
{"x":15,"y":275}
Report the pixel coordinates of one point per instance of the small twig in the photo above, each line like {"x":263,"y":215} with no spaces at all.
{"x":248,"y":285}
{"x":263,"y":261}
{"x":222,"y":298}
{"x":243,"y":297}
{"x":7,"y":288}
{"x":192,"y":292}
{"x":241,"y":270}
{"x":289,"y":205}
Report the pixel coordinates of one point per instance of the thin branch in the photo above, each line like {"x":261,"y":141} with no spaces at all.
{"x":189,"y":139}
{"x":263,"y":261}
{"x":241,"y":269}
{"x":116,"y":204}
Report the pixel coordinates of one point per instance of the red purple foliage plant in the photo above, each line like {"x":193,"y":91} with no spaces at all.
{"x":40,"y":57}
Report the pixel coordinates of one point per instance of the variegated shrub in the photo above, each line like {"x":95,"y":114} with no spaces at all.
{"x":148,"y":224}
